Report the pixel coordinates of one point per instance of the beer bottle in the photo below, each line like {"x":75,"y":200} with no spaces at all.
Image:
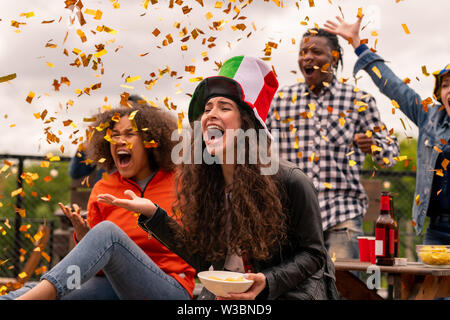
{"x":396,"y":243}
{"x":384,"y":234}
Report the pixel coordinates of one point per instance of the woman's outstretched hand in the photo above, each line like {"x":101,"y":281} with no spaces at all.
{"x":134,"y":204}
{"x":80,"y":225}
{"x":349,"y":32}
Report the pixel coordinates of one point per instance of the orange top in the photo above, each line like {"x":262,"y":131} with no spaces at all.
{"x":160,"y":189}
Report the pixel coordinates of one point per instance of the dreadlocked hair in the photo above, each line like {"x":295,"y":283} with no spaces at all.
{"x":332,"y":41}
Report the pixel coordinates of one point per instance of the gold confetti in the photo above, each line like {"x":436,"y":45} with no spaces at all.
{"x":30,"y":97}
{"x":16,"y":192}
{"x":100,"y":53}
{"x":133,"y":122}
{"x":49,"y":64}
{"x":132,"y":79}
{"x":437,"y":149}
{"x":351,"y":163}
{"x":27,"y":14}
{"x":328,"y":185}
{"x":377,"y":72}
{"x":81,"y":35}
{"x":424,"y":71}
{"x":405,"y":28}
{"x":8,"y":77}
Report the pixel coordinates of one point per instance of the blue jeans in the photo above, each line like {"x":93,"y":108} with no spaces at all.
{"x":342,"y":239}
{"x":131,"y":273}
{"x":96,"y":288}
{"x":438,"y":232}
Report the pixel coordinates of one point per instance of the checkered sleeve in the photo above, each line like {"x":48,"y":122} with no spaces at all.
{"x":274,"y":107}
{"x":387,"y":144}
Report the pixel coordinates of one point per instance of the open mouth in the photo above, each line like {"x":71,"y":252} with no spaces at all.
{"x":124,"y":157}
{"x":213,"y":134}
{"x":308,"y":70}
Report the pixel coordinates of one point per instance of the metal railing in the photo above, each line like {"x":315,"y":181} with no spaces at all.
{"x":21,"y":197}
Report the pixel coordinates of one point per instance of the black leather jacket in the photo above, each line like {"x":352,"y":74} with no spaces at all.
{"x":300,"y":269}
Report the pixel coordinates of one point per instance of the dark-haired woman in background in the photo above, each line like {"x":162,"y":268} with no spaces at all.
{"x":327,"y":127}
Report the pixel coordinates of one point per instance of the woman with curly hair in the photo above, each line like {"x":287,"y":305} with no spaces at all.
{"x":133,"y":143}
{"x":234,"y":217}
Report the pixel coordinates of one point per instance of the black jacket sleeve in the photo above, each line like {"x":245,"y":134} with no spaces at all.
{"x":161,"y":227}
{"x":307,"y":252}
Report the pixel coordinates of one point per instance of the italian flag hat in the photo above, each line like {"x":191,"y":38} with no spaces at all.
{"x":248,"y":81}
{"x":438,"y":82}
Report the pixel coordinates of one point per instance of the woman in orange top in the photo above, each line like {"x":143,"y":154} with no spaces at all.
{"x":136,"y":142}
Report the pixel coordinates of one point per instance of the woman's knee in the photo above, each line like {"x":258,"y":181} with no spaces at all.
{"x":106,"y":228}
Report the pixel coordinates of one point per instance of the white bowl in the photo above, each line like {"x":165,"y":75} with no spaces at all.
{"x":221,"y":283}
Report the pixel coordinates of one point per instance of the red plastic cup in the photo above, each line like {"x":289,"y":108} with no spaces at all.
{"x":371,"y":241}
{"x":363,"y":244}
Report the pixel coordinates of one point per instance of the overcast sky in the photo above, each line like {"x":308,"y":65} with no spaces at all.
{"x":34,"y":51}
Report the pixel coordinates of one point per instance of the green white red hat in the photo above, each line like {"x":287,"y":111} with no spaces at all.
{"x":241,"y":79}
{"x":438,"y":82}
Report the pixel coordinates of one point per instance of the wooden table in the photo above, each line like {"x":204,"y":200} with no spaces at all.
{"x":414,"y":281}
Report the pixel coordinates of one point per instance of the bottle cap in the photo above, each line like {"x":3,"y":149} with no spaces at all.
{"x":401,"y":261}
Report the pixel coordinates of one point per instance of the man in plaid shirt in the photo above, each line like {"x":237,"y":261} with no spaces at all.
{"x":327,"y":127}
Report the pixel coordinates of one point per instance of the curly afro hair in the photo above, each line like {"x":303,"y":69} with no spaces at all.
{"x":152,"y":124}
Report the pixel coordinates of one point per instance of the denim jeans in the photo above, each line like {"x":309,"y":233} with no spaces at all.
{"x":96,"y":288}
{"x":437,"y":233}
{"x":131,"y":273}
{"x":342,"y":239}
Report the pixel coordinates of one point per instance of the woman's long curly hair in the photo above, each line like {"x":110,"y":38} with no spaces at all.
{"x":256,"y":218}
{"x":152,"y":124}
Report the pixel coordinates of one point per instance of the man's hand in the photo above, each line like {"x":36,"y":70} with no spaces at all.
{"x":364,"y":142}
{"x":80,"y":225}
{"x":349,"y":32}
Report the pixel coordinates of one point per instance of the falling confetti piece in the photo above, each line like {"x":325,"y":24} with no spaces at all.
{"x":405,"y":28}
{"x":359,"y":14}
{"x":81,"y":35}
{"x":328,"y":185}
{"x":424,"y":71}
{"x":16,"y":192}
{"x":437,"y":149}
{"x":100,"y":53}
{"x":30,"y":97}
{"x":8,"y":77}
{"x":377,"y":72}
{"x":132,"y":79}
{"x":445,"y":163}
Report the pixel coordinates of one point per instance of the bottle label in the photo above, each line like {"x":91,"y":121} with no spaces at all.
{"x":391,"y":241}
{"x":379,"y":241}
{"x":384,"y":203}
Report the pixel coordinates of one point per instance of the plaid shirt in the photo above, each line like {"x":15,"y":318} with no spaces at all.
{"x":317,"y":133}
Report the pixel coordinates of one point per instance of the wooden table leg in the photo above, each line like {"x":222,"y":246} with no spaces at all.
{"x":428,"y":289}
{"x":444,"y":287}
{"x":352,"y":288}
